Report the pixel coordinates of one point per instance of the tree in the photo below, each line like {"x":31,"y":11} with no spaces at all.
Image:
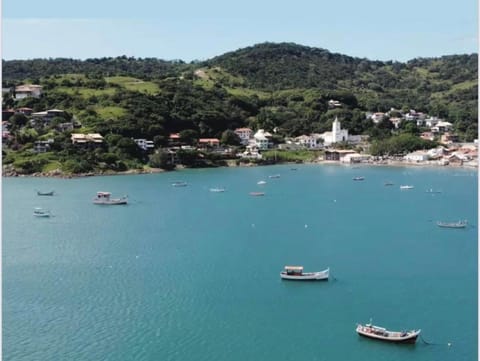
{"x":162,"y":160}
{"x":229,"y":137}
{"x":189,"y":136}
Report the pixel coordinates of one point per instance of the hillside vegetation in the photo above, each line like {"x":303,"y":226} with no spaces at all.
{"x":271,"y":86}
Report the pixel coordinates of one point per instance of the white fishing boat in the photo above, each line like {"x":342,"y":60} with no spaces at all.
{"x":358,"y":178}
{"x":296,"y":273}
{"x":179,"y":184}
{"x":217,"y":190}
{"x":406,"y":187}
{"x":40,"y":212}
{"x":257,"y":194}
{"x":262,"y":182}
{"x":459,"y":224}
{"x":380,"y":333}
{"x":104,"y":198}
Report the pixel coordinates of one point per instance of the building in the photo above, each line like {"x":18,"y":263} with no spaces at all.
{"x":42,"y":146}
{"x":86,"y":139}
{"x":209,"y":142}
{"x":418,"y":156}
{"x":28,"y":90}
{"x":377,"y":117}
{"x":245,"y":134}
{"x":337,"y":154}
{"x":144,"y":144}
{"x":442,"y":127}
{"x":308,"y":141}
{"x":336,"y":135}
{"x":46,"y":116}
{"x":262,"y":139}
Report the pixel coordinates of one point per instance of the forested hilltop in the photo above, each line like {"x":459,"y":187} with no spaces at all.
{"x":283,"y":87}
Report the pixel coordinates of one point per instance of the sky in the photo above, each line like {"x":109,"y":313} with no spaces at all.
{"x":199,"y":30}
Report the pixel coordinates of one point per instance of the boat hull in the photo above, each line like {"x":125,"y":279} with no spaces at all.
{"x":389,"y":336}
{"x":112,"y":202}
{"x":310,"y":276}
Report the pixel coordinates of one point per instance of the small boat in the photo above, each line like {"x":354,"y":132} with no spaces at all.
{"x":358,"y":178}
{"x":407,"y":187}
{"x":179,"y":184}
{"x":261,"y":182}
{"x":104,"y":198}
{"x":40,"y":212}
{"x":380,"y":333}
{"x":45,"y":193}
{"x":459,"y":224}
{"x":296,"y":273}
{"x":257,"y":194}
{"x":274,"y":176}
{"x":293,"y":168}
{"x":217,"y":190}
{"x":432,"y":191}
{"x":388,"y":184}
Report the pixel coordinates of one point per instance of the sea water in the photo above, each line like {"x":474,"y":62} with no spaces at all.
{"x":183,"y":273}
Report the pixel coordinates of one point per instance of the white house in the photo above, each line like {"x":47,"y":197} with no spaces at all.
{"x":28,"y":90}
{"x":145,"y":144}
{"x":336,"y":135}
{"x":244,"y":134}
{"x":442,"y":127}
{"x":262,"y":139}
{"x":418,"y":156}
{"x":377,"y":117}
{"x":308,"y":141}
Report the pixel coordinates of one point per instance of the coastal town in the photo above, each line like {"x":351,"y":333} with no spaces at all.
{"x":336,"y":145}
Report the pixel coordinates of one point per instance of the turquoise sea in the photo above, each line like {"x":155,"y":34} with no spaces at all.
{"x":188,"y":274}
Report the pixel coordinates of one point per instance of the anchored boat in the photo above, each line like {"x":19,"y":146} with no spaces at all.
{"x":380,"y":333}
{"x":459,"y":224}
{"x":40,"y":212}
{"x":45,"y":193}
{"x":296,"y":273}
{"x":104,"y":198}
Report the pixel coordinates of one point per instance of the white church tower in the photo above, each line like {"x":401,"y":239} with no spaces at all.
{"x":338,"y":134}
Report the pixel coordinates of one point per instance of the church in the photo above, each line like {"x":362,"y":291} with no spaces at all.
{"x":337,"y":134}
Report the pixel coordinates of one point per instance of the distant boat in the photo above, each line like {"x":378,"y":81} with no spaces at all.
{"x":293,"y":168}
{"x":217,"y":190}
{"x":432,"y":191}
{"x":380,"y":333}
{"x":262,"y":182}
{"x":296,"y":273}
{"x":358,"y":178}
{"x":407,"y":187}
{"x":45,"y":193}
{"x":388,"y":184}
{"x":104,"y":198}
{"x":40,"y":212}
{"x":459,"y":224}
{"x":257,"y":194}
{"x":274,"y":176}
{"x":179,"y":184}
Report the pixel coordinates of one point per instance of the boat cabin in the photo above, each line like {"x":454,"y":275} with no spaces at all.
{"x":103,"y":195}
{"x":294,"y":270}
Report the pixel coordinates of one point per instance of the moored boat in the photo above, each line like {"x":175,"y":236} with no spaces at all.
{"x":104,"y":198}
{"x":257,"y":194}
{"x":40,"y":212}
{"x":388,"y":184}
{"x":358,"y":178}
{"x":51,"y":193}
{"x":296,"y":273}
{"x":217,"y":190}
{"x":407,"y":187}
{"x":380,"y":333}
{"x":459,"y":224}
{"x":262,"y":182}
{"x":432,"y":191}
{"x":179,"y":184}
{"x":274,"y":176}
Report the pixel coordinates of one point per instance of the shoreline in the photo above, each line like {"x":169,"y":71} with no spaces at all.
{"x":389,"y":163}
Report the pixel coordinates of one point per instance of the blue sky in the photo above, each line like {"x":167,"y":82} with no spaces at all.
{"x":189,"y":30}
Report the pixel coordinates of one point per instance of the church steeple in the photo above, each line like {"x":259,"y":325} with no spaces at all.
{"x":336,"y":128}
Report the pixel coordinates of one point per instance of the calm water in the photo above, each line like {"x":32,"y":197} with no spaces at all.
{"x":187,"y":274}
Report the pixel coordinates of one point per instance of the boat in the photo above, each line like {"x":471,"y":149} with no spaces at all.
{"x":257,"y":194}
{"x":459,"y":224}
{"x":40,"y":212}
{"x":380,"y":333}
{"x":105,"y":198}
{"x":358,"y":178}
{"x":432,"y":191}
{"x":296,"y":273}
{"x":274,"y":176}
{"x":293,"y":168}
{"x":45,"y":193}
{"x":261,"y":182}
{"x":217,"y":190}
{"x":388,"y":184}
{"x":407,"y":187}
{"x":179,"y":184}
